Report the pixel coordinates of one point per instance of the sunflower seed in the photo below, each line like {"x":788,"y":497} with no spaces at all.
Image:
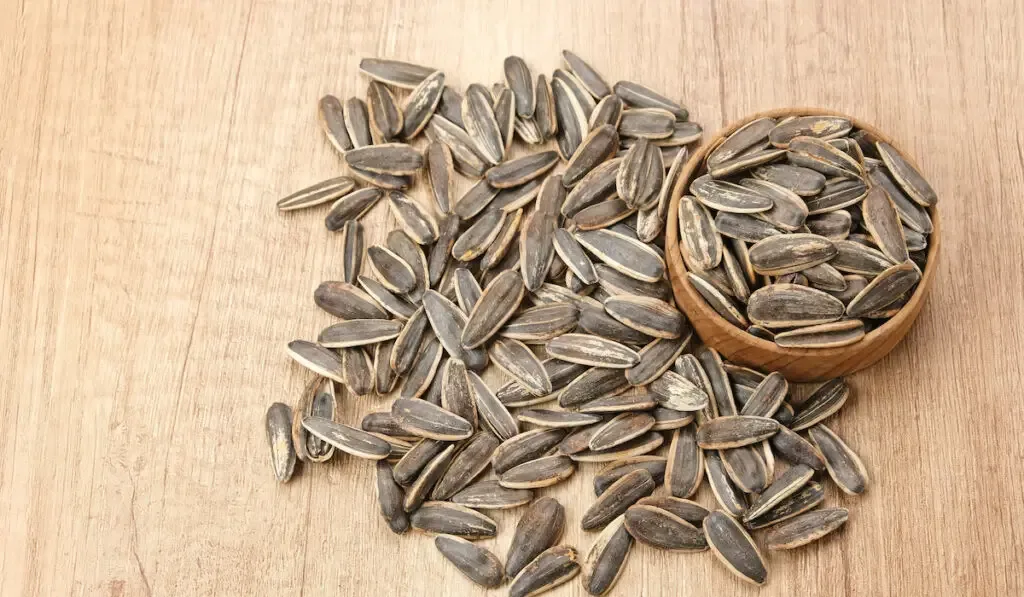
{"x":767,"y":396}
{"x":385,"y":117}
{"x":279,"y":437}
{"x":592,"y":350}
{"x":844,"y":466}
{"x":384,"y":297}
{"x":624,"y":254}
{"x":318,"y":399}
{"x":608,"y":111}
{"x":663,"y":529}
{"x":505,"y":116}
{"x":525,"y":447}
{"x":421,"y":104}
{"x":786,"y":485}
{"x":640,"y":175}
{"x":595,"y":320}
{"x":478,"y":564}
{"x":607,"y":558}
{"x":480,"y":123}
{"x":478,"y":238}
{"x":677,"y":393}
{"x":359,"y":375}
{"x":784,"y":305}
{"x":826,"y":335}
{"x":497,"y":304}
{"x":560,"y":373}
{"x":821,"y":127}
{"x":553,"y":567}
{"x":795,"y":449}
{"x":648,"y":315}
{"x":619,"y":496}
{"x":644,"y":444}
{"x":322,"y":192}
{"x":490,"y":495}
{"x":393,"y":72}
{"x":701,"y":242}
{"x":647,"y":123}
{"x":417,"y":222}
{"x":383,"y":181}
{"x":909,"y":179}
{"x":467,"y":289}
{"x":734,"y":548}
{"x":855,"y":258}
{"x":536,"y":246}
{"x":805,"y":528}
{"x":541,"y":323}
{"x":351,"y":206}
{"x":666,"y":419}
{"x":510,"y":200}
{"x":655,"y":359}
{"x":888,"y":287}
{"x":728,"y":196}
{"x":597,"y":185}
{"x":543,"y":472}
{"x":408,"y":468}
{"x":593,"y":384}
{"x":727,"y":495}
{"x":616,"y":283}
{"x":468,"y":464}
{"x":685,"y":467}
{"x":718,"y":300}
{"x":690,"y":511}
{"x":544,"y":109}
{"x":317,"y":359}
{"x":332,"y":120}
{"x":834,"y":225}
{"x":456,"y":396}
{"x":448,"y":322}
{"x":557,"y":418}
{"x":579,"y":92}
{"x":802,"y":181}
{"x":612,"y":472}
{"x":516,"y":359}
{"x":789,"y":253}
{"x":464,"y":153}
{"x":348,"y":439}
{"x":540,"y":527}
{"x":417,"y":493}
{"x":620,"y":430}
{"x":749,"y":135}
{"x":357,"y":123}
{"x":639,"y":96}
{"x":734,"y":431}
{"x":570,"y":116}
{"x":913,"y":215}
{"x":803,"y":500}
{"x":359,"y":332}
{"x":444,"y":518}
{"x":578,"y":441}
{"x":883,"y":223}
{"x":599,"y":145}
{"x":498,"y":419}
{"x":390,"y":497}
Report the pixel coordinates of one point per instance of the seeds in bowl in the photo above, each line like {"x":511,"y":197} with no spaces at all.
{"x":784,"y":212}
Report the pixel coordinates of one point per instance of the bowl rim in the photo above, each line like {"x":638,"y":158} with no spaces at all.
{"x":705,"y":311}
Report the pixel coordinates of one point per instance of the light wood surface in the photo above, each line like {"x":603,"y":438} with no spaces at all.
{"x":149,"y":286}
{"x":797,"y":364}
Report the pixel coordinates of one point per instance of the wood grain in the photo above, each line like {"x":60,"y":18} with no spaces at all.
{"x":797,"y":364}
{"x":149,"y":286}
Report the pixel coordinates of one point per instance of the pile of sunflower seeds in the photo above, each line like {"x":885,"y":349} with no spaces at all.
{"x":806,"y":231}
{"x":529,"y":262}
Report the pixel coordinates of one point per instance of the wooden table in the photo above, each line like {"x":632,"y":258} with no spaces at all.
{"x":149,"y":285}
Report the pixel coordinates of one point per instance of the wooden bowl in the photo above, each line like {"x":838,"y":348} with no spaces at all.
{"x":797,"y":364}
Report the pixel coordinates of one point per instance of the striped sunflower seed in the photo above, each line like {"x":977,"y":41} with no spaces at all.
{"x":909,"y":179}
{"x":749,"y":135}
{"x":734,"y":431}
{"x":644,"y":444}
{"x":332,"y":121}
{"x":802,"y":181}
{"x":352,"y":252}
{"x":785,"y":305}
{"x":786,"y":485}
{"x":795,"y":449}
{"x":498,"y":302}
{"x":317,"y":359}
{"x":887,"y":288}
{"x":393,"y":272}
{"x":448,"y":322}
{"x":385,"y":117}
{"x":789,"y":253}
{"x":607,"y":557}
{"x":914,"y":216}
{"x":620,"y":429}
{"x":467,"y":289}
{"x":641,"y":173}
{"x":475,"y":200}
{"x":408,"y":468}
{"x":516,"y":198}
{"x":390,"y":498}
{"x":767,"y":396}
{"x":856,"y":258}
{"x":468,"y":464}
{"x":543,"y":472}
{"x":351,"y":206}
{"x":331,"y":189}
{"x":599,"y":145}
{"x":540,"y":527}
{"x":443,"y":518}
{"x":506,"y":238}
{"x":505,"y":115}
{"x":578,"y":91}
{"x":544,"y":112}
{"x":685,"y":465}
{"x":456,"y":396}
{"x":826,"y":335}
{"x":525,"y":447}
{"x":392,"y":182}
{"x":516,"y":359}
{"x":422,"y":419}
{"x":639,"y":96}
{"x":359,"y":332}
{"x":676,"y":392}
{"x":664,"y":530}
{"x":614,"y":502}
{"x":747,"y":467}
{"x":553,"y":567}
{"x":594,"y":351}
{"x":359,"y":376}
{"x":424,"y":368}
{"x":597,"y":185}
{"x":480,"y":123}
{"x":318,"y":399}
{"x":593,"y":384}
{"x":718,"y":300}
{"x":701,"y":242}
{"x":570,"y":117}
{"x":536,"y":246}
{"x":543,"y":417}
{"x":883,"y":223}
{"x":578,"y":441}
{"x":417,"y":222}
{"x":744,"y":227}
{"x":690,"y":511}
{"x":398,"y":307}
{"x":731,"y":499}
{"x":836,"y":195}
{"x":408,"y":251}
{"x":614,"y":282}
{"x":612,"y":472}
{"x":843,"y":465}
{"x":541,"y":323}
{"x":666,"y":419}
{"x":498,"y":419}
{"x":805,"y":528}
{"x":464,"y":153}
{"x":490,"y":495}
{"x":421,"y":104}
{"x":647,"y":123}
{"x":592,"y":81}
{"x":656,"y":358}
{"x":357,"y":123}
{"x":803,"y":500}
{"x":834,"y":225}
{"x":624,"y":254}
{"x":734,"y":547}
{"x":520,"y":171}
{"x":520,"y":81}
{"x":441,"y":173}
{"x":417,"y":493}
{"x":821,"y":127}
{"x":595,"y":320}
{"x":279,"y":437}
{"x":648,"y":315}
{"x":439,"y":254}
{"x":478,"y":564}
{"x":478,"y":238}
{"x":347,"y":439}
{"x":728,"y":196}
{"x":393,"y":72}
